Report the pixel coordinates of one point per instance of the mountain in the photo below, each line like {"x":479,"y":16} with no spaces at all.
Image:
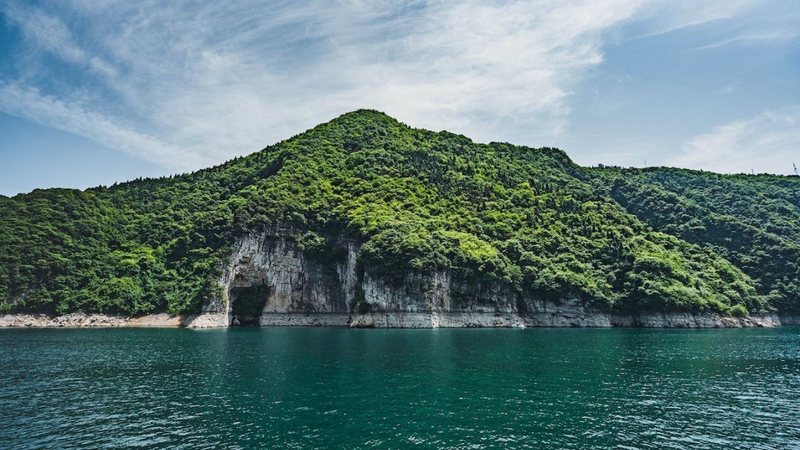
{"x":364,"y":216}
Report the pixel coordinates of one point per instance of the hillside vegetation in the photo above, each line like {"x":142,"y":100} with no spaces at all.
{"x":415,"y":200}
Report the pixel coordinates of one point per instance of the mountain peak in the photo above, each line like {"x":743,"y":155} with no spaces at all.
{"x":372,"y":115}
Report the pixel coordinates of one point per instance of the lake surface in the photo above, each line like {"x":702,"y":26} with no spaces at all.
{"x":458,"y":388}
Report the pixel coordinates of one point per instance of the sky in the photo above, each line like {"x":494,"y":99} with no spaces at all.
{"x":98,"y":91}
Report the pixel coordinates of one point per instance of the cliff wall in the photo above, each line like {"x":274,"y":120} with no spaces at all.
{"x":286,"y":285}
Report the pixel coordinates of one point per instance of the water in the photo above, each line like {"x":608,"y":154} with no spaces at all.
{"x":294,"y":387}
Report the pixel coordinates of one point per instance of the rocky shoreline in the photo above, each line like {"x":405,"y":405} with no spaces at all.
{"x":82,"y":320}
{"x":553,"y":319}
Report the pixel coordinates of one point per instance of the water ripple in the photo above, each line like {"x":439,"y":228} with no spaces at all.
{"x":315,"y":388}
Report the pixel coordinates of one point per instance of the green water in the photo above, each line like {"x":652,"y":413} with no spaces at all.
{"x":294,"y":387}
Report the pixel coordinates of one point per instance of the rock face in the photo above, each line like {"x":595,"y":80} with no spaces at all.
{"x":271,"y":280}
{"x":790,"y":320}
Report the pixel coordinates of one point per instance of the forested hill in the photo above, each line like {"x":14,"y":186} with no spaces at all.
{"x":753,"y":221}
{"x":414,"y":201}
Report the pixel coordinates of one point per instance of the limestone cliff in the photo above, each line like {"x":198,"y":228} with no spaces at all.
{"x":271,"y":280}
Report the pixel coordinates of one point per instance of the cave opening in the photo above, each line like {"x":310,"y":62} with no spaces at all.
{"x":247,"y":304}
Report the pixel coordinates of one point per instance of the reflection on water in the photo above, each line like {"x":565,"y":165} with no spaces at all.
{"x":293,"y":387}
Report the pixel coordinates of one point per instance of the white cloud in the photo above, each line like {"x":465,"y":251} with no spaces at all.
{"x":184,"y":84}
{"x":46,"y":31}
{"x":667,"y":16}
{"x":769,"y":142}
{"x":772,"y":36}
{"x":30,"y":103}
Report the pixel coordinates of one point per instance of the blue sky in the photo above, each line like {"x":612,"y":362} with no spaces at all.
{"x":97,"y":91}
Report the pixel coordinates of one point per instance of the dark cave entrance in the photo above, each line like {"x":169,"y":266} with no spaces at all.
{"x":247,"y":304}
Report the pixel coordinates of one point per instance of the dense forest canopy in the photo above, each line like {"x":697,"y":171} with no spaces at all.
{"x":414,"y":200}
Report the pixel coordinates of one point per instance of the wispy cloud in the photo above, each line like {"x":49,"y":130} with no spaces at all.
{"x":47,"y":32}
{"x":185,"y":83}
{"x":768,"y":23}
{"x":662,"y":17}
{"x":30,"y":103}
{"x":769,"y":142}
{"x":772,"y":36}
